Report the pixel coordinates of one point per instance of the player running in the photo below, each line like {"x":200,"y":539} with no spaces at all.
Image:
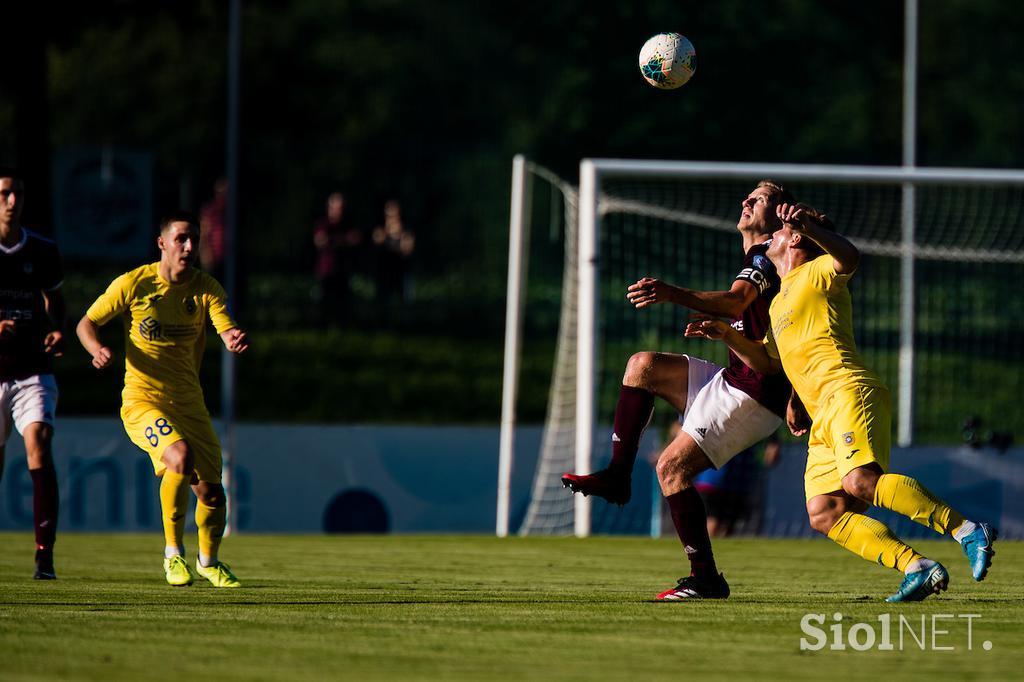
{"x":31,"y":335}
{"x":165,"y":306}
{"x":724,"y":411}
{"x":811,"y":337}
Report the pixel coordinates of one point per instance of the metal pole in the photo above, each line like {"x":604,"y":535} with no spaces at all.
{"x":518,"y":239}
{"x":586,"y":335}
{"x":230,"y":256}
{"x":905,"y":432}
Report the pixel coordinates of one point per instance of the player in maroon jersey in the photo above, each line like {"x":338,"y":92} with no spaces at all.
{"x":725,"y":410}
{"x":31,"y":324}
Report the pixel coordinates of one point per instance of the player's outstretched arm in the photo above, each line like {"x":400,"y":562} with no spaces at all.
{"x":753,"y":353}
{"x":89,"y":334}
{"x":813,"y":225}
{"x":235,"y":340}
{"x":648,"y":291}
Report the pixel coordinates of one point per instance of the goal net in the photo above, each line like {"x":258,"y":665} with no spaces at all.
{"x":935,"y":312}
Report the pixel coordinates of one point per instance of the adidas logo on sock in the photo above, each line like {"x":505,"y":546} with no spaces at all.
{"x":615,"y":438}
{"x":689,"y":550}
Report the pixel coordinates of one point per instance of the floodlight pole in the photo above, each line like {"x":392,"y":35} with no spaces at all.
{"x":228,"y":443}
{"x":908,"y":292}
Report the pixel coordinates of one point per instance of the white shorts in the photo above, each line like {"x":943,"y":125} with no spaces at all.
{"x":26,"y":401}
{"x":723,"y":420}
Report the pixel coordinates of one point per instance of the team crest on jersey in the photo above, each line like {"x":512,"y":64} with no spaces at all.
{"x":848,"y":438}
{"x":149,"y":329}
{"x":762,"y":263}
{"x":190,"y":305}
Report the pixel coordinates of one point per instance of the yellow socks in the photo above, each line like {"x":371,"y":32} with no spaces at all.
{"x":211,"y":522}
{"x":173,"y":497}
{"x":872,"y":540}
{"x":906,"y":496}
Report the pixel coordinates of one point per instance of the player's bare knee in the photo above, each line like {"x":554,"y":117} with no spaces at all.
{"x":210,"y":494}
{"x":177,"y":457}
{"x":38,"y":441}
{"x":860,"y":483}
{"x":638,"y":367}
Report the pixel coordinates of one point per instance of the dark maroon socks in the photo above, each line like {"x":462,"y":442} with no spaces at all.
{"x":691,"y":522}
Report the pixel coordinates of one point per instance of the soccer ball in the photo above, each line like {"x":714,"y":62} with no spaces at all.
{"x":668,"y":60}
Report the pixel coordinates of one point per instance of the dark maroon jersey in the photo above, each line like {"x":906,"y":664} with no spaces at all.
{"x":771,"y":390}
{"x":27,"y":269}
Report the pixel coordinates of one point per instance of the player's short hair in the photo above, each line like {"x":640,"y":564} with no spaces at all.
{"x":12,"y":173}
{"x":178,"y":217}
{"x":778,"y":191}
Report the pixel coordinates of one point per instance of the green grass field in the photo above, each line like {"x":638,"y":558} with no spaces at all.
{"x":479,"y":608}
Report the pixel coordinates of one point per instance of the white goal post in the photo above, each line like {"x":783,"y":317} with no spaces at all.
{"x":595,"y":202}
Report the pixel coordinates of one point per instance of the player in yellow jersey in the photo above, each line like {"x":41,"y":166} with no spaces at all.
{"x":811,"y":338}
{"x":165,"y":307}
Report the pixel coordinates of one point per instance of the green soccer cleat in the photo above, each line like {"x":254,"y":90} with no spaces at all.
{"x":919,"y":584}
{"x":177,"y":572}
{"x":219,"y":574}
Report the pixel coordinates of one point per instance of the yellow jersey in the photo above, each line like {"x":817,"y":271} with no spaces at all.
{"x":165,"y":328}
{"x":811,"y":332}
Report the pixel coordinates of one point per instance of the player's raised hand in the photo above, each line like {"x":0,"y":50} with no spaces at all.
{"x":648,"y":291}
{"x":102,"y":357}
{"x":235,"y":340}
{"x":54,"y":343}
{"x":7,"y":329}
{"x":707,"y":327}
{"x":798,"y":216}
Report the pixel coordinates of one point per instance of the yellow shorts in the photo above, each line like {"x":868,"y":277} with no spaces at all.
{"x":153,"y":427}
{"x":852,"y":429}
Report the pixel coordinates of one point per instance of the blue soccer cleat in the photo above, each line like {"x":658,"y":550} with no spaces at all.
{"x":978,"y":549}
{"x":919,"y":584}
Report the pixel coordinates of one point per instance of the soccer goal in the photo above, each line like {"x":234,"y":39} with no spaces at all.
{"x":935,"y":304}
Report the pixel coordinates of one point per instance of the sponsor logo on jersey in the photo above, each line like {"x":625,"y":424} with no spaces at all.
{"x":755,"y":277}
{"x":149,"y":329}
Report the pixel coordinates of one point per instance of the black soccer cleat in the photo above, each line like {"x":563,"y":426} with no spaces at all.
{"x":606,"y":484}
{"x":44,"y":565}
{"x":693,"y":587}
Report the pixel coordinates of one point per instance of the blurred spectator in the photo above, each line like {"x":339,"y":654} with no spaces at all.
{"x":394,"y":246}
{"x":732,"y":494}
{"x":337,"y":243}
{"x":212,"y":216}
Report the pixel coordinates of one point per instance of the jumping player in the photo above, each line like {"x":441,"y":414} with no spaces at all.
{"x":31,"y":335}
{"x":724,"y":410}
{"x":165,"y":307}
{"x":811,"y":338}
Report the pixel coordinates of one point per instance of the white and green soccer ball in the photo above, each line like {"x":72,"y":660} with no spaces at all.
{"x":668,"y":60}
